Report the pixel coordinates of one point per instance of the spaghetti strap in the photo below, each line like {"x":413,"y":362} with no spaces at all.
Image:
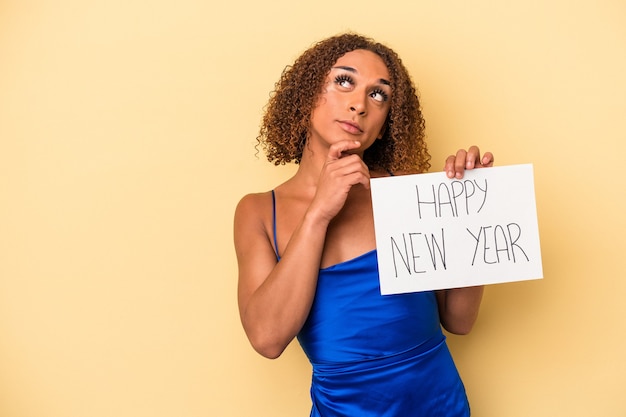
{"x":274,"y":224}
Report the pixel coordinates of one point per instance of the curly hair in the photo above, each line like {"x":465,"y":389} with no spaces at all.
{"x":287,"y":119}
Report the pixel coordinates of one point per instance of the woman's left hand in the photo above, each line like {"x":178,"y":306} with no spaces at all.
{"x":457,"y":164}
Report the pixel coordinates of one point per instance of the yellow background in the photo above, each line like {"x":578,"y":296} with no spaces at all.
{"x":127,"y":132}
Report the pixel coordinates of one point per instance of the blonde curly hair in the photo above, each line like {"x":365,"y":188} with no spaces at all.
{"x":287,"y":119}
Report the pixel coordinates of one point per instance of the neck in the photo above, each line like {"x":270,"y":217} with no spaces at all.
{"x":310,"y":166}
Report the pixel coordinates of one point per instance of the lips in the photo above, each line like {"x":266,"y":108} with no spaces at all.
{"x":350,"y":127}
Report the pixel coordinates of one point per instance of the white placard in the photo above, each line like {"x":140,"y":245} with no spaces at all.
{"x":433,"y":232}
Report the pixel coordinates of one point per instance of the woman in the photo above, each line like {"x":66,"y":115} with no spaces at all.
{"x":347,"y":111}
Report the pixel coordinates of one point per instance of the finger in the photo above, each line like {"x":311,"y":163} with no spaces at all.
{"x":352,"y":175}
{"x":350,"y":164}
{"x":488,"y":159}
{"x":449,"y":166}
{"x":460,"y":163}
{"x":472,"y":157}
{"x":363,"y":179}
{"x":337,"y":149}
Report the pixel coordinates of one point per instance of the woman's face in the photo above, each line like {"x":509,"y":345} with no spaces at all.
{"x":354,"y":101}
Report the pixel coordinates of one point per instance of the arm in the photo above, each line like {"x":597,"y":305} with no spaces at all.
{"x":275,"y":297}
{"x":458,"y":307}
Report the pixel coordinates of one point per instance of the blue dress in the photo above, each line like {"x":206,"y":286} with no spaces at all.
{"x":375,"y":355}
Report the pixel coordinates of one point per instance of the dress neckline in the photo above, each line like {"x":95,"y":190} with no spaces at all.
{"x":348,"y":261}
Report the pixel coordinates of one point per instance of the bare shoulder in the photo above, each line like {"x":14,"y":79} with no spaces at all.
{"x":253,"y":209}
{"x":252,"y":224}
{"x":254,"y":202}
{"x":379,"y":173}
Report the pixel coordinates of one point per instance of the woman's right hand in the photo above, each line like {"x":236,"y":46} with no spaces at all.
{"x":275,"y":297}
{"x":341,"y":171}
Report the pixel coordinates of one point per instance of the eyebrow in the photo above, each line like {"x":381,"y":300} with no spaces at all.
{"x":353,"y":70}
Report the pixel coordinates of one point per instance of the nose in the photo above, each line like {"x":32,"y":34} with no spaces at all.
{"x":359,"y":110}
{"x":358,"y":104}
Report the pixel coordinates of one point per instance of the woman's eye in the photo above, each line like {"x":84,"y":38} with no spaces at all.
{"x":344,"y":81}
{"x":379,"y":95}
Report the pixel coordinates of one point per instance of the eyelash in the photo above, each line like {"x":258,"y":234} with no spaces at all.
{"x":346,"y":78}
{"x":342,"y":78}
{"x":384,"y":95}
